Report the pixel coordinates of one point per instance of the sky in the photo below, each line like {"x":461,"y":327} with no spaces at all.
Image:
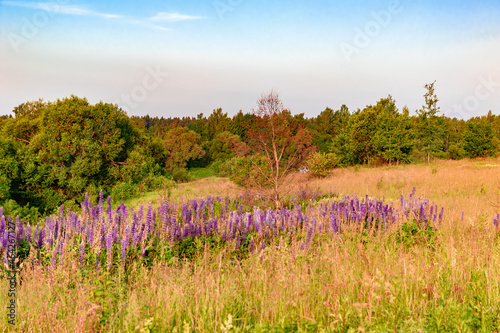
{"x":183,"y":58}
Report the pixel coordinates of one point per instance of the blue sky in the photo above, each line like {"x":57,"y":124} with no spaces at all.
{"x":182,"y":58}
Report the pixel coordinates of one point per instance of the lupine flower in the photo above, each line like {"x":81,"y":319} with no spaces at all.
{"x":238,"y":242}
{"x":109,"y":248}
{"x":54,"y":256}
{"x":98,"y":264}
{"x":148,"y":219}
{"x":124,"y":250}
{"x":82,"y":253}
{"x":108,"y":210}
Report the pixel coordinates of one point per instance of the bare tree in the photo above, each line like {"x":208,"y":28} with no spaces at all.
{"x":280,"y":139}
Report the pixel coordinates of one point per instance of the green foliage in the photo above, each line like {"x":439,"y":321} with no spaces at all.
{"x":155,"y":182}
{"x":478,"y":139}
{"x":52,"y":152}
{"x":12,"y":208}
{"x":226,"y":145}
{"x":456,"y":152}
{"x":431,"y":133}
{"x":105,"y":296}
{"x":393,"y":139}
{"x":320,"y":164}
{"x":411,"y":233}
{"x":244,"y":171}
{"x":181,"y":145}
{"x":65,"y":146}
{"x":199,"y":173}
{"x":123,"y":191}
{"x":181,"y":175}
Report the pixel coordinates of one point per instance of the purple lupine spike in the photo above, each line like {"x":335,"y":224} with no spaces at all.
{"x":5,"y":241}
{"x":238,"y":239}
{"x":54,"y":257}
{"x":263,"y":246}
{"x":308,"y":238}
{"x":41,"y":235}
{"x":462,"y":215}
{"x":98,"y":264}
{"x":2,"y":224}
{"x":109,"y":248}
{"x":108,"y":202}
{"x":28,"y":233}
{"x":86,"y":200}
{"x":61,"y":251}
{"x":95,"y":213}
{"x":124,"y":211}
{"x":141,"y":233}
{"x":153,"y":221}
{"x":202,"y":204}
{"x":124,"y":250}
{"x":90,"y":235}
{"x":135,"y":238}
{"x":103,"y":235}
{"x":441,"y":215}
{"x":148,"y":220}
{"x":101,"y":198}
{"x":35,"y":237}
{"x":50,"y":241}
{"x":141,"y":213}
{"x":194,"y":204}
{"x":82,"y":253}
{"x":252,"y":245}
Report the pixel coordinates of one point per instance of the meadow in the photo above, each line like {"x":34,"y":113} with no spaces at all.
{"x":411,"y":248}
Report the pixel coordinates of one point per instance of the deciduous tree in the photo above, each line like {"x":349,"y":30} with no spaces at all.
{"x":283,"y":142}
{"x":181,"y":145}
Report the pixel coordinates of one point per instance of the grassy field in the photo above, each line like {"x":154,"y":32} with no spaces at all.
{"x":440,"y":279}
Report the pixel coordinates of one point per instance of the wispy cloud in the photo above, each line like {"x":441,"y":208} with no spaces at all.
{"x":59,"y":9}
{"x":173,"y":17}
{"x":52,"y":7}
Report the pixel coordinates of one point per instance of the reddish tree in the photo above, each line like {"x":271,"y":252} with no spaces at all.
{"x":283,"y":143}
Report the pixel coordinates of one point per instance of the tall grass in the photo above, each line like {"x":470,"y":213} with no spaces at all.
{"x":444,"y":279}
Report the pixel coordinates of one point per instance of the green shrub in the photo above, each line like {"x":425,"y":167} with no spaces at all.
{"x":123,"y":191}
{"x":320,"y":164}
{"x":411,"y":234}
{"x":12,"y":208}
{"x":244,"y":171}
{"x":155,"y":182}
{"x":456,"y":152}
{"x":216,"y":167}
{"x":181,"y":175}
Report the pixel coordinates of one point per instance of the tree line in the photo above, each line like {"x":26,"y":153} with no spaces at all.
{"x":52,"y":153}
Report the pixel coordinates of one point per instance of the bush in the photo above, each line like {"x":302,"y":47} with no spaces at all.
{"x":442,"y":155}
{"x":181,"y":175}
{"x":12,"y":208}
{"x":155,"y":182}
{"x":456,"y":152}
{"x":123,"y":191}
{"x":320,"y":164}
{"x":244,"y":172}
{"x":216,"y":167}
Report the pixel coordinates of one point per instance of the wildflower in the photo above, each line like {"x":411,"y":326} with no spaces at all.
{"x":82,"y":253}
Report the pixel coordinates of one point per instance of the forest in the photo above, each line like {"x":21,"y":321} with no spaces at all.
{"x":52,"y":153}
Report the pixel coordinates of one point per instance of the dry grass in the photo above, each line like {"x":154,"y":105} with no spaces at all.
{"x":341,"y":285}
{"x":471,"y":186}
